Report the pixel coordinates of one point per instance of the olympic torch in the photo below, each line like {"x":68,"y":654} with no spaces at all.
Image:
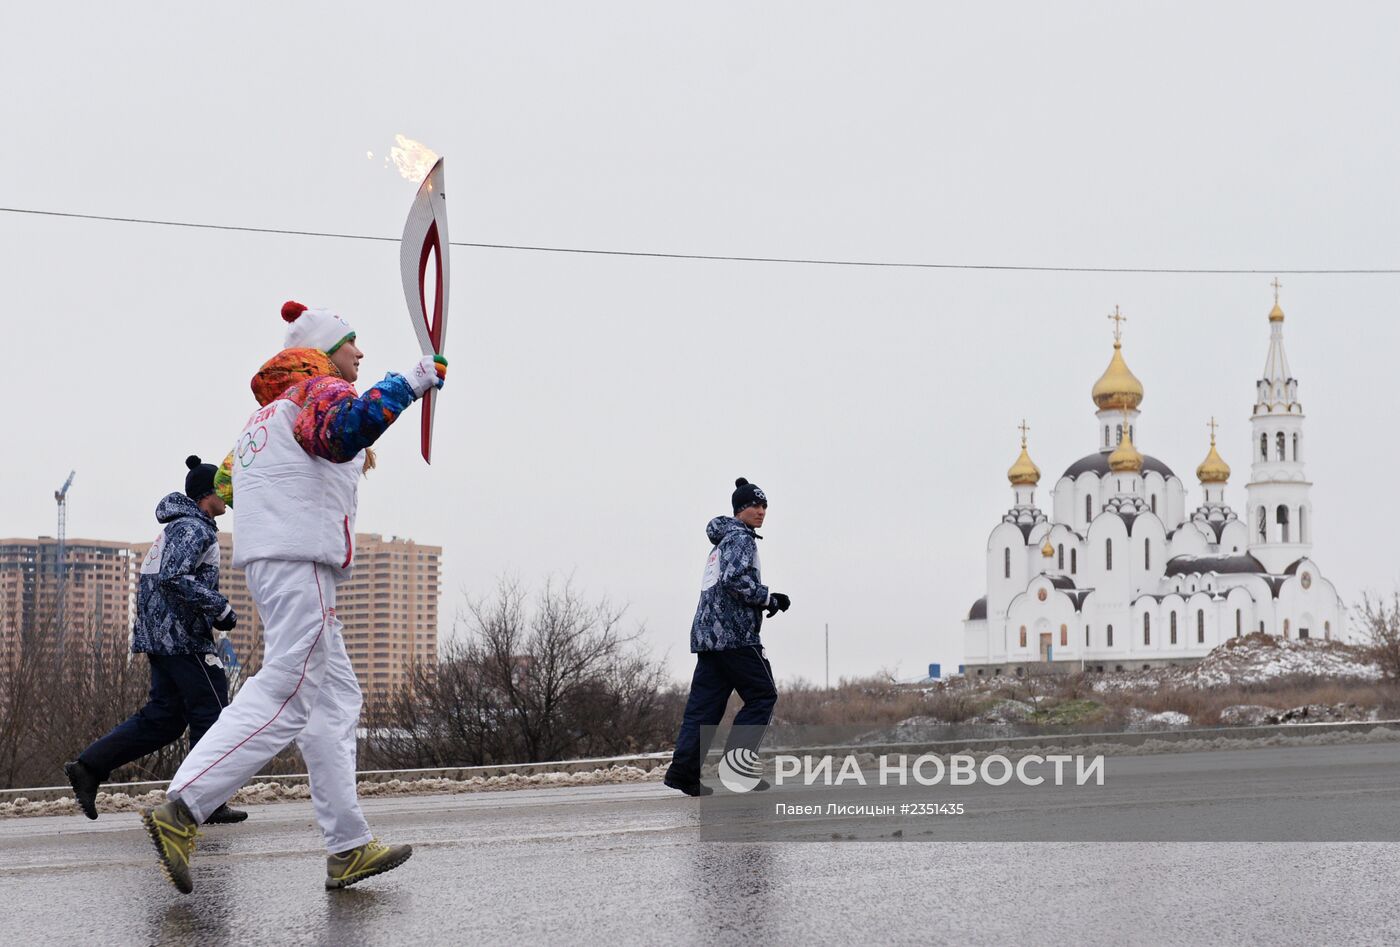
{"x":423,"y":261}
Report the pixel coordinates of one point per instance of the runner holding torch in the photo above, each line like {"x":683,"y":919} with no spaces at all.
{"x":295,"y":473}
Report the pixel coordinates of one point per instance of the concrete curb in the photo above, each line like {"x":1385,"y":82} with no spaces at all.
{"x":646,"y":761}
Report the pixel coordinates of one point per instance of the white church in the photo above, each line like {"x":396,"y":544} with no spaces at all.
{"x":1118,"y":575}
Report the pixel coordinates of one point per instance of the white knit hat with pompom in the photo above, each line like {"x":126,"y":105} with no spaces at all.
{"x":315,"y":328}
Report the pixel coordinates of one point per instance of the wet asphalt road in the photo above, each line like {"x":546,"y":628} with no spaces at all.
{"x":628,"y":864}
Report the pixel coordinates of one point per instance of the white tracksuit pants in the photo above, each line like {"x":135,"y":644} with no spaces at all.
{"x":305,"y":691}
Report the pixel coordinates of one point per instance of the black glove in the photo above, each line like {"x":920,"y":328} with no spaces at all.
{"x":228,"y":620}
{"x":778,"y":602}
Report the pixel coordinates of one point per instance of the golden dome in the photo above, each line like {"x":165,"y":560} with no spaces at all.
{"x":1117,"y":388}
{"x":1023,"y":473}
{"x":1276,"y":314}
{"x":1048,"y":550}
{"x":1213,"y":469}
{"x":1125,"y":457}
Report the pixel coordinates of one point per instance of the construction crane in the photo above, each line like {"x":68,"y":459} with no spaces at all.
{"x":61,"y":495}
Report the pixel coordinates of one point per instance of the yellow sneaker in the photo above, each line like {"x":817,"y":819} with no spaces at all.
{"x":356,"y":865}
{"x":173,"y":830}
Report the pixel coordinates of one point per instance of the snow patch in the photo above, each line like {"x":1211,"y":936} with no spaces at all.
{"x":1247,"y":715}
{"x":268,"y":792}
{"x":1253,"y":659}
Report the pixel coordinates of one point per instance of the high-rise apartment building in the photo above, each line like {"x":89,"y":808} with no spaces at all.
{"x":389,"y":606}
{"x":98,"y":589}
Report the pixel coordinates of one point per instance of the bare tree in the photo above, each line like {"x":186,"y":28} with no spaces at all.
{"x":529,"y":679}
{"x":444,"y":717}
{"x":58,"y":693}
{"x":546,"y":666}
{"x":1381,"y":620}
{"x":22,"y":684}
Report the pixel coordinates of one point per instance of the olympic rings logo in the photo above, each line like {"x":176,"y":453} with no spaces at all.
{"x":251,"y":445}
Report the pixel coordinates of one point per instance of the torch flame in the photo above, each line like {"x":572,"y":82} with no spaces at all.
{"x":413,"y":158}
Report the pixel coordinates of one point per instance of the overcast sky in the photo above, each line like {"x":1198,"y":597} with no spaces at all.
{"x":598,"y":409}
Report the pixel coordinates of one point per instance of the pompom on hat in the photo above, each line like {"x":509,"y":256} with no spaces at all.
{"x":199,"y":482}
{"x":746,"y":495}
{"x":318,"y":329}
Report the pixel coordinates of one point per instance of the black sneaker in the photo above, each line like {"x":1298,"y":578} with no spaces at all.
{"x":696,"y":788}
{"x":225,"y":816}
{"x":85,"y":783}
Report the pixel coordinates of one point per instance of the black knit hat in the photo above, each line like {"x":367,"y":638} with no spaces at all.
{"x":199,"y":482}
{"x":746,"y":495}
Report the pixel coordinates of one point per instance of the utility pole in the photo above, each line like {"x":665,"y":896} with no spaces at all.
{"x":828,"y":656}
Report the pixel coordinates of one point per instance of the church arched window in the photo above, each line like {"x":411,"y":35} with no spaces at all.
{"x":1146,"y":628}
{"x":1286,"y":632}
{"x":1173,"y":621}
{"x":1263,"y":447}
{"x":1200,"y":626}
{"x":1239,"y":623}
{"x":1073,"y":561}
{"x":1263,"y":527}
{"x":1302,"y":534}
{"x":1023,"y":636}
{"x":1281,"y":516}
{"x":1108,"y":554}
{"x":1088,"y":508}
{"x":1120,"y":434}
{"x":1086,"y":636}
{"x":1064,"y":636}
{"x":1154,"y":503}
{"x":1327,"y":630}
{"x":1060,"y":563}
{"x":1006,"y":563}
{"x":1280,"y":442}
{"x":1105,"y":435}
{"x":1295,"y":446}
{"x":1147,"y":554}
{"x":1109,"y":633}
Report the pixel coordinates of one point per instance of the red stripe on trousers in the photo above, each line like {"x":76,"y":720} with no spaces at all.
{"x":322,"y":600}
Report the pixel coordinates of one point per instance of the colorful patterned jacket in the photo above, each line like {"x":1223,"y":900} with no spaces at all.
{"x":732,"y":593}
{"x":178,"y":597}
{"x":334,"y":422}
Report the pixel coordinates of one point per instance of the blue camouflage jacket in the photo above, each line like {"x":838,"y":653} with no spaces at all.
{"x":732,"y":593}
{"x":178,"y":594}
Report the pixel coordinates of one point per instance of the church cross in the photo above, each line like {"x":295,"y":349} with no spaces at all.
{"x":1024,"y":427}
{"x":1212,"y":425}
{"x":1276,"y":285}
{"x":1118,"y":320}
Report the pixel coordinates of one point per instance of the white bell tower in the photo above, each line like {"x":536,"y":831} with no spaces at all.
{"x":1278,"y":508}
